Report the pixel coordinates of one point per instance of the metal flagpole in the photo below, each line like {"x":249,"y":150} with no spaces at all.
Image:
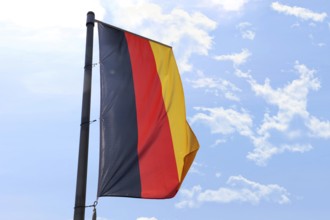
{"x":79,"y":209}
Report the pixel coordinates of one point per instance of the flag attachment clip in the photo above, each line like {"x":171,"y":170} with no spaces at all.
{"x":88,"y":123}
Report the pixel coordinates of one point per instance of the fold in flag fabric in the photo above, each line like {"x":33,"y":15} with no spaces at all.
{"x":146,"y":145}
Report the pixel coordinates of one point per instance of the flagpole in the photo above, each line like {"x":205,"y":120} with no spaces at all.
{"x":79,"y":209}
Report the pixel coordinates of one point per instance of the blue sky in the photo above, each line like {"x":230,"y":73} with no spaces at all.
{"x":256,"y":79}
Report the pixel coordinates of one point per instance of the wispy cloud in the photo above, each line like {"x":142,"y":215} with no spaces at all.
{"x":246,"y":31}
{"x":264,"y":150}
{"x":224,"y":121}
{"x":196,"y":168}
{"x":228,"y":5}
{"x":319,"y":44}
{"x":318,"y":128}
{"x":236,"y":58}
{"x":218,"y":174}
{"x":239,"y":189}
{"x":218,"y":142}
{"x":248,"y":34}
{"x":217,"y":86}
{"x":303,"y":13}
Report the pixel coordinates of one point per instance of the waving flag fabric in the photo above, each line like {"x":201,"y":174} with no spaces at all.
{"x":146,"y":145}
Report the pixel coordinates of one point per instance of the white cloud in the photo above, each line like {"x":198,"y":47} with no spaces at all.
{"x":218,"y":142}
{"x":295,"y":25}
{"x":224,"y":121}
{"x":296,"y":148}
{"x":320,"y":44}
{"x":45,"y":14}
{"x":243,"y":25}
{"x":291,"y":103}
{"x":228,"y":121}
{"x":187,"y":32}
{"x":44,"y":46}
{"x":239,"y":189}
{"x":299,"y":12}
{"x":196,"y":168}
{"x":264,"y":150}
{"x":146,"y":218}
{"x":189,"y":197}
{"x":218,"y":175}
{"x":46,"y":26}
{"x":246,"y":32}
{"x":228,"y":5}
{"x":236,"y":58}
{"x":291,"y":100}
{"x":215,"y":86}
{"x":239,"y":73}
{"x":318,"y":128}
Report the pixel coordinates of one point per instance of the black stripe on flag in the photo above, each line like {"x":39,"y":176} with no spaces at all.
{"x":119,"y":168}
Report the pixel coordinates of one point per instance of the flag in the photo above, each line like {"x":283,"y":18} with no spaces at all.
{"x":146,"y":145}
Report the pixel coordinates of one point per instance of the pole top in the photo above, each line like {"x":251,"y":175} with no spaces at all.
{"x":90,"y":18}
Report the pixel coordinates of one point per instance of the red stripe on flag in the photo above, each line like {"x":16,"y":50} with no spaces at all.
{"x":158,"y":171}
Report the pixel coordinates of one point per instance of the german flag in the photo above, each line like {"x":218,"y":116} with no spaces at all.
{"x":146,"y":145}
